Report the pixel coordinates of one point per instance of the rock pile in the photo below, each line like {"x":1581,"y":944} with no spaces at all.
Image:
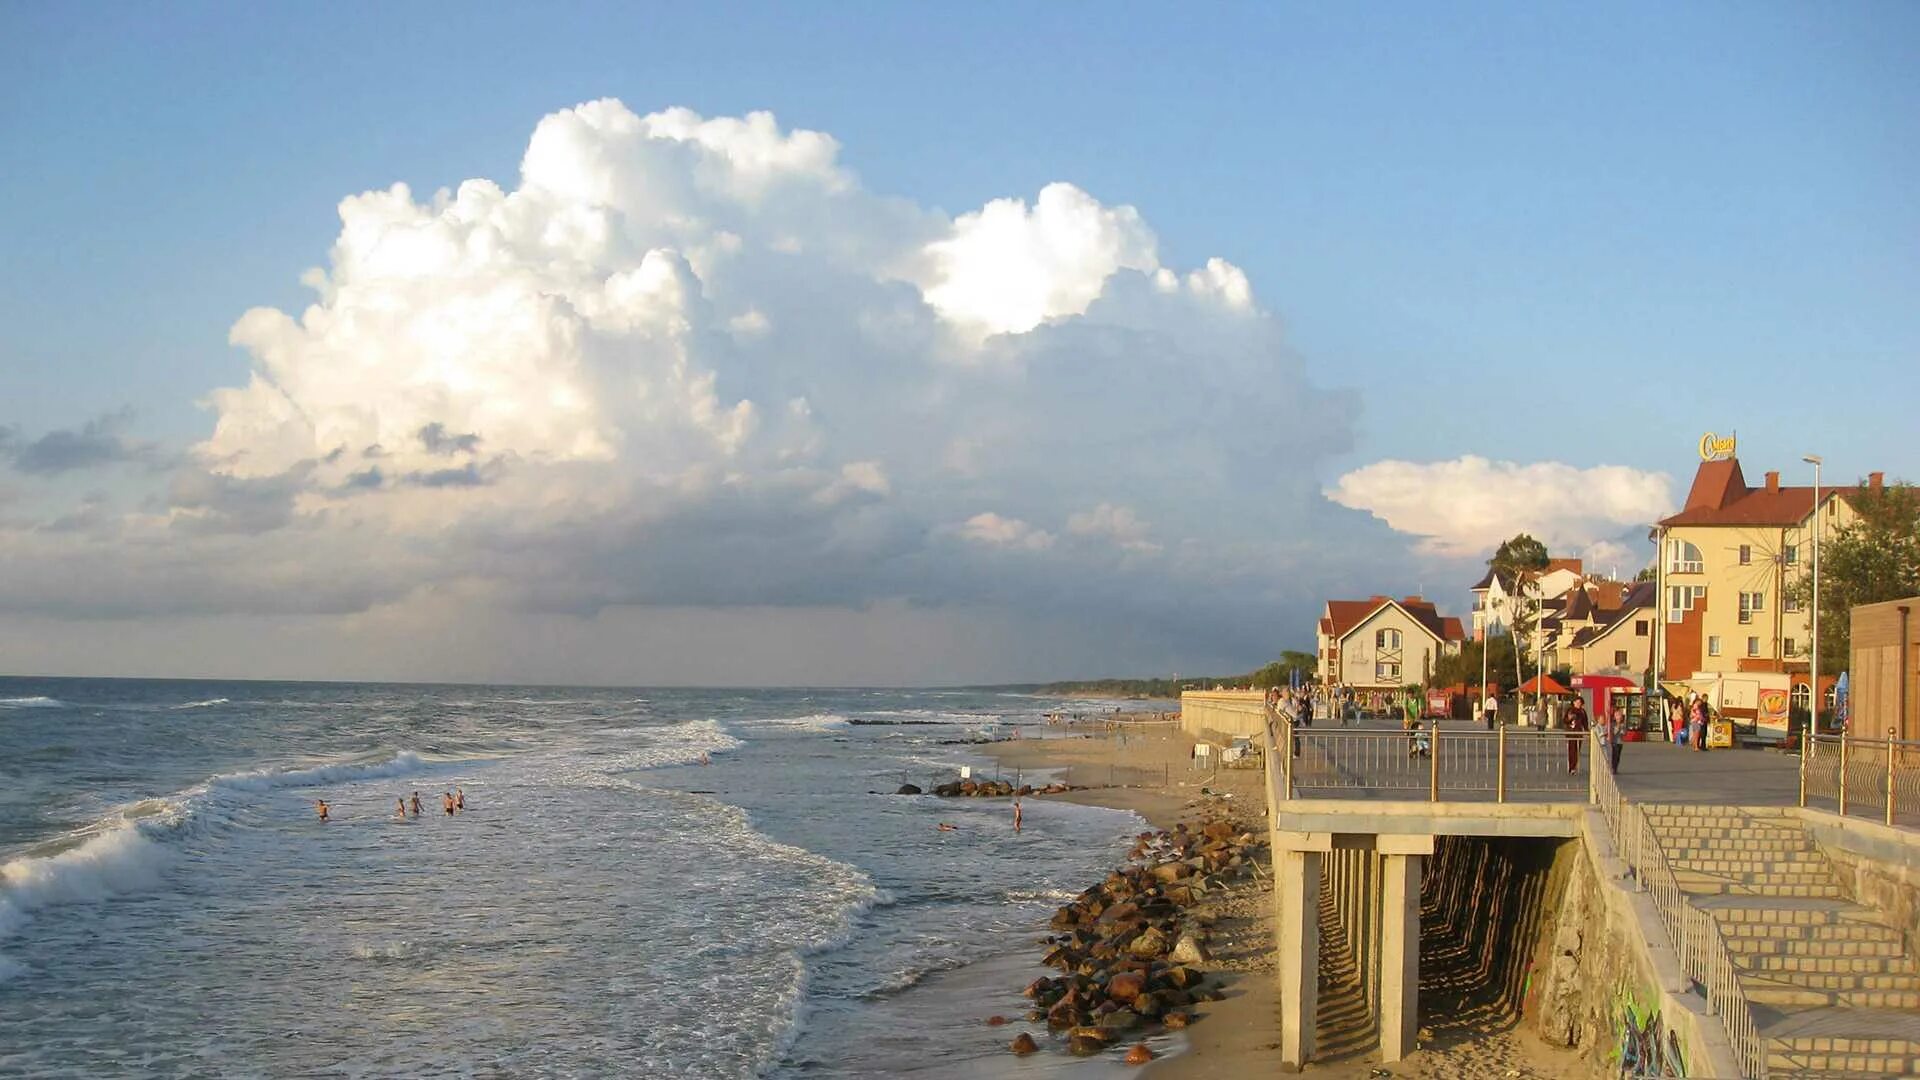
{"x":991,"y":788}
{"x":1128,"y":947}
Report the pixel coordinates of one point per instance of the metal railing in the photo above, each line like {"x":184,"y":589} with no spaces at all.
{"x":1862,"y":776}
{"x":1694,"y":934}
{"x":1432,"y":762}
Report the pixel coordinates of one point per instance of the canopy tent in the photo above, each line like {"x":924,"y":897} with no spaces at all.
{"x":1544,"y":683}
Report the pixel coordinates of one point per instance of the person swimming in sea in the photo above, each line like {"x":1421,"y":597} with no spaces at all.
{"x":948,"y":827}
{"x":459,"y":798}
{"x":416,"y":804}
{"x":320,"y":806}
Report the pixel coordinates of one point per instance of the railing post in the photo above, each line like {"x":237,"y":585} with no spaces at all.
{"x":1500,"y":768}
{"x":1843,"y":772}
{"x":1890,"y":734}
{"x":1285,"y":750}
{"x":1806,"y":747}
{"x":1433,"y":766}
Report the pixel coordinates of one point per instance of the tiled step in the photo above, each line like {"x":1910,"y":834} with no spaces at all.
{"x":1832,"y":1043}
{"x":1783,"y":993}
{"x":1794,"y":965}
{"x":1726,"y":863}
{"x":1688,"y":831}
{"x":1747,"y":950}
{"x":1749,"y":846}
{"x":1800,"y":885}
{"x":1762,"y":912}
{"x":1862,"y":936}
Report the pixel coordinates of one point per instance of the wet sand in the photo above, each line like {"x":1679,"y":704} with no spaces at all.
{"x":1147,"y":767}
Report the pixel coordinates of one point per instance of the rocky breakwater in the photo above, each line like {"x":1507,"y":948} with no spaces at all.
{"x":970,"y":789}
{"x":1129,"y":949}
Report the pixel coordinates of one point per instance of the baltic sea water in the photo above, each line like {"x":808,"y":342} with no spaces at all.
{"x":608,"y":904}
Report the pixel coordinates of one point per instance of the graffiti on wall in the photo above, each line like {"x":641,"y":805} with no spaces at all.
{"x":1647,"y":1049}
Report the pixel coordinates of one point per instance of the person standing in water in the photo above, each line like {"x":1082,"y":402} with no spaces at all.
{"x":400,"y":809}
{"x":459,"y":798}
{"x":320,"y":807}
{"x":446,"y":802}
{"x":415,"y":805}
{"x":1016,"y":815}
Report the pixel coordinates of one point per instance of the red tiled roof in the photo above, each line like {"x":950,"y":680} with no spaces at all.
{"x":1720,"y":496}
{"x":1344,"y":615}
{"x":1574,"y":565}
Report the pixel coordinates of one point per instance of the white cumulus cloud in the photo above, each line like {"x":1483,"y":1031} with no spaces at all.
{"x":692,"y":362}
{"x":1468,"y":505}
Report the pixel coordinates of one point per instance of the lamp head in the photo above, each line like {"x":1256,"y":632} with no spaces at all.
{"x":1813,"y":459}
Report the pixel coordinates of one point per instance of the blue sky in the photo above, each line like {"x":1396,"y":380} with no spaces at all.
{"x":1533,"y":233}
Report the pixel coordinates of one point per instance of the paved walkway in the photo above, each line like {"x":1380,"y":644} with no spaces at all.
{"x":1665,"y":773}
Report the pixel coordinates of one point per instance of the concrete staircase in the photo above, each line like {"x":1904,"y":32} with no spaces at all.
{"x":1835,"y":990}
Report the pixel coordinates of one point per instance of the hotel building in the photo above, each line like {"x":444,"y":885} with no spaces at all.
{"x":1729,"y":563}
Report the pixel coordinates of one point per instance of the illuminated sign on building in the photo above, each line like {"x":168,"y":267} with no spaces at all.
{"x":1715,"y":448}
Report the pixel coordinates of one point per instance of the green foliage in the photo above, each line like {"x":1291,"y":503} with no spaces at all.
{"x":1871,"y":559}
{"x":1464,"y":666}
{"x":1520,"y":555}
{"x":1647,"y":573}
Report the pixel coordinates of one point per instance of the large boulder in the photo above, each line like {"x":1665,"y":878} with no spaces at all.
{"x":1126,"y":986}
{"x":1139,"y":1054}
{"x":1023,"y":1044}
{"x":1150,"y":944}
{"x":1189,"y":950}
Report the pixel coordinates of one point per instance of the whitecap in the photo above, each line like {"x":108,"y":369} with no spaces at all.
{"x":207,"y":704}
{"x":36,"y":702}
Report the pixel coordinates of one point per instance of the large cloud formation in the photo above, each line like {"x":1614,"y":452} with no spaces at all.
{"x":1467,"y":506}
{"x":694,"y":363}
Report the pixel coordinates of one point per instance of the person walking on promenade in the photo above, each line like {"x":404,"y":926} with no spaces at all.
{"x":1576,"y":724}
{"x":1491,"y":705}
{"x":1616,"y":735}
{"x":1697,"y":727}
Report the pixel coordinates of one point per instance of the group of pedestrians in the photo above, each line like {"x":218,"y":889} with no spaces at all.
{"x":1688,"y":721}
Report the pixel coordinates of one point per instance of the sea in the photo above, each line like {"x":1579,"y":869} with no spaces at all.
{"x":644,"y":882}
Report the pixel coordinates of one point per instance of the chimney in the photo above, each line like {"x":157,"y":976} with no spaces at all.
{"x":1773,"y":483}
{"x":1876,"y":480}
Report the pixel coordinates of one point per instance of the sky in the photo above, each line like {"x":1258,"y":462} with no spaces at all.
{"x":886,"y":344}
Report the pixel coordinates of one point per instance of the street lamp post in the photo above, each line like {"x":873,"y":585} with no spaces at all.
{"x":1813,"y":665}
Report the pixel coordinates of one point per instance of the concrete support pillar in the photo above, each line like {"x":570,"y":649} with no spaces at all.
{"x":1297,"y":882}
{"x":1368,"y":915}
{"x":1399,"y":981}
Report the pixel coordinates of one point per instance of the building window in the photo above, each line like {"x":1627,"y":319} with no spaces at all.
{"x":1639,"y":628}
{"x":1684,"y":558}
{"x":1790,"y":554}
{"x":1787,"y":647}
{"x":1386,"y":639}
{"x":1713,"y":644}
{"x":1799,"y":696}
{"x":1753,"y":646}
{"x":1386,"y":673}
{"x":1620,"y":658}
{"x":1682,"y":599}
{"x":1791,"y":603}
{"x":1746,"y":554}
{"x":1751,"y":602}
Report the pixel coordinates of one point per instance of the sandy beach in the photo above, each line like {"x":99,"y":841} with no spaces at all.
{"x":1136,"y":763}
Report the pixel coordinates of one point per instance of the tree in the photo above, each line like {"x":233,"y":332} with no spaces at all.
{"x":1873,"y":558}
{"x":1281,"y":672}
{"x":1520,"y":561}
{"x":1464,"y":666}
{"x":1646,"y":574}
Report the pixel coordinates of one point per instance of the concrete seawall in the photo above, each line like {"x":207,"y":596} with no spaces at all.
{"x":1219,"y":715}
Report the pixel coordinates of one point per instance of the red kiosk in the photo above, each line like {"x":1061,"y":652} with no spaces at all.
{"x":1600,"y":693}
